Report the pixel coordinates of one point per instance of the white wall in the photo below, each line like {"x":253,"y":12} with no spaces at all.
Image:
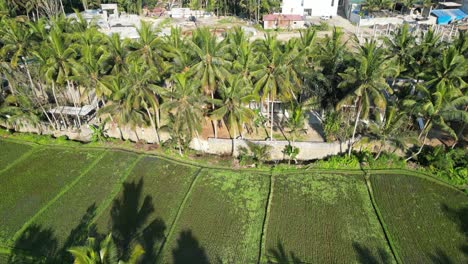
{"x":318,"y":7}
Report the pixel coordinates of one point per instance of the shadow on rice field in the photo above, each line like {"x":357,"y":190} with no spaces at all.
{"x":181,"y":213}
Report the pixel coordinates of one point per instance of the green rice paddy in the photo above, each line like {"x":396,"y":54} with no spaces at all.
{"x":54,"y":197}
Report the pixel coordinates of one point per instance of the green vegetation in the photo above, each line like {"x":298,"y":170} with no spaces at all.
{"x":324,"y":218}
{"x":427,"y":221}
{"x":148,"y":203}
{"x":225,"y":212}
{"x":31,"y":184}
{"x":11,"y":151}
{"x":61,"y":197}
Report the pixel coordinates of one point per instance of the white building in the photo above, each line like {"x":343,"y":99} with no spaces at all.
{"x":310,"y":7}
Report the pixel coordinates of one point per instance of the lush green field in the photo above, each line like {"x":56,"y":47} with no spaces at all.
{"x":34,"y":182}
{"x":53,"y":197}
{"x":221,"y":220}
{"x":10,"y":151}
{"x":148,"y":203}
{"x":427,"y":221}
{"x":324,"y":218}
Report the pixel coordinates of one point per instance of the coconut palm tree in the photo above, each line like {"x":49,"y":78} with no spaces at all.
{"x":210,"y":63}
{"x":401,"y":44}
{"x":115,"y":52}
{"x":332,"y":57}
{"x":147,"y":47}
{"x":104,"y":253}
{"x":365,"y":83}
{"x":436,"y":109}
{"x":185,"y":109}
{"x":393,"y":129}
{"x":124,"y":106}
{"x":233,"y":107}
{"x":142,"y":79}
{"x":274,"y":75}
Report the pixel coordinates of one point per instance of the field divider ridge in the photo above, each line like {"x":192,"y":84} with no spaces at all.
{"x":385,"y":230}
{"x":176,"y":218}
{"x":115,"y":191}
{"x":262,"y":247}
{"x":24,"y":156}
{"x":58,"y":196}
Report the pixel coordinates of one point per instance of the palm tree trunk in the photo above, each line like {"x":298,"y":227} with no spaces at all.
{"x":214,"y":122}
{"x":153,"y":125}
{"x":420,"y":149}
{"x":234,"y":142}
{"x":350,"y":147}
{"x":272,"y":120}
{"x":57,"y":104}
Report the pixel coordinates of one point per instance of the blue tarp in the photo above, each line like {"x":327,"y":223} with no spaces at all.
{"x":446,"y":16}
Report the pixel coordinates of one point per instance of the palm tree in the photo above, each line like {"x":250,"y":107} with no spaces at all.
{"x":365,"y":83}
{"x":235,"y":96}
{"x":185,"y":109}
{"x":211,"y":65}
{"x":104,"y":252}
{"x":274,"y":75}
{"x":123,"y":106}
{"x":115,"y":52}
{"x":402,"y":45}
{"x":142,"y":80}
{"x":393,"y":129}
{"x":147,"y":47}
{"x":332,"y":57}
{"x":437,"y":108}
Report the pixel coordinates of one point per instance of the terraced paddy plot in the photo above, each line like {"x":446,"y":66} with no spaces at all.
{"x":32,"y":183}
{"x":323,"y":218}
{"x":427,"y":221}
{"x":10,"y":151}
{"x":148,"y":203}
{"x":70,"y":223}
{"x":221,"y":221}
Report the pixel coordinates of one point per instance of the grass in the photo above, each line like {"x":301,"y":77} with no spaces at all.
{"x":70,"y":223}
{"x":323,"y":218}
{"x":221,"y":220}
{"x":31,"y":184}
{"x":55,"y":196}
{"x":11,"y":151}
{"x":148,"y":203}
{"x":427,"y":221}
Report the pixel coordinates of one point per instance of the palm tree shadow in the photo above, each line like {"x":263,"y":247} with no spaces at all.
{"x":365,"y":255}
{"x":279,"y":255}
{"x":129,"y":222}
{"x":440,"y":257}
{"x":460,"y":217}
{"x":188,"y":250}
{"x":38,"y":244}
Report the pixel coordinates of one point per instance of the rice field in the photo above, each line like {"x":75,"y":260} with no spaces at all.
{"x":54,"y":197}
{"x":427,"y":221}
{"x":323,"y":218}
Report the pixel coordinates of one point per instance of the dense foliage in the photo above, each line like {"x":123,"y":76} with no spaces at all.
{"x":176,"y":83}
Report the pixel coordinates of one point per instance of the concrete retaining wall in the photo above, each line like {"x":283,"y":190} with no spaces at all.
{"x":307,"y":150}
{"x":218,"y":146}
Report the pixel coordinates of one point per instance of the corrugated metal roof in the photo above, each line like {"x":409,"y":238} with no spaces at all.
{"x":445,"y":16}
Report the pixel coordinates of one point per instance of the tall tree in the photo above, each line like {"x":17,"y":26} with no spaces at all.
{"x":365,"y":83}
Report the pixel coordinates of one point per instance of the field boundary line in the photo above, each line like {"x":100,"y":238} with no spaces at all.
{"x":64,"y":190}
{"x":176,"y":219}
{"x":21,"y":158}
{"x":115,"y":190}
{"x":385,"y":230}
{"x":262,"y":249}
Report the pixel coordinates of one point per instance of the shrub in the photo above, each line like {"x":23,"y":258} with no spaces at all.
{"x":338,"y":162}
